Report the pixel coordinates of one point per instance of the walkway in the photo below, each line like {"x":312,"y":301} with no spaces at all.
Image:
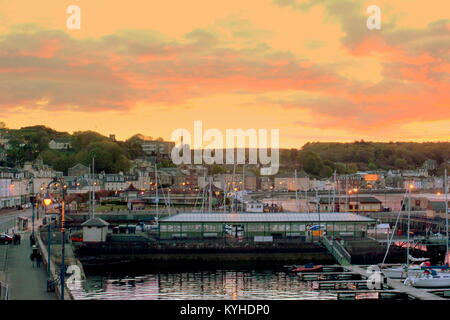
{"x":25,"y":281}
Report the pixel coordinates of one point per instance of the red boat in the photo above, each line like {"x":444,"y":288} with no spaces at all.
{"x":308,"y":269}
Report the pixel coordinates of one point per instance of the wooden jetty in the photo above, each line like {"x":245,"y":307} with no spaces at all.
{"x":329,"y":276}
{"x":352,"y":283}
{"x":370,"y":294}
{"x":343,"y":285}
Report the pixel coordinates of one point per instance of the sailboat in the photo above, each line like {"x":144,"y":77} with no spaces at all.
{"x":408,"y":270}
{"x":431,"y":278}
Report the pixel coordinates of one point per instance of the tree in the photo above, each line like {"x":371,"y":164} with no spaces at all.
{"x":109,"y":157}
{"x":326,"y":171}
{"x":216,"y":169}
{"x":133,"y":147}
{"x":401,"y":163}
{"x":442,"y":167}
{"x":312,"y":163}
{"x":81,"y":139}
{"x":372,"y":166}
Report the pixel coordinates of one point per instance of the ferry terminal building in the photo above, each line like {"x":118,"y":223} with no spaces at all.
{"x":277,"y":225}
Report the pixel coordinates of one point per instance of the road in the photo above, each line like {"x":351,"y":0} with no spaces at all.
{"x":7,"y":219}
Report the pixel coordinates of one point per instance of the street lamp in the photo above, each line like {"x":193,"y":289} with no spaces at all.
{"x":355,"y":191}
{"x":47,"y":201}
{"x":58,"y":184}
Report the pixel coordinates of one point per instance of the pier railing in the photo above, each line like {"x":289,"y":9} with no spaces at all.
{"x":4,"y":291}
{"x":337,"y":250}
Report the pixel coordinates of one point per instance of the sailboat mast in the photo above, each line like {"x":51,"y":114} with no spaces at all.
{"x":243,"y":188}
{"x":409,"y":220}
{"x":296,"y":190}
{"x":90,"y":185}
{"x":157,"y":200}
{"x":446,"y":212}
{"x":233,"y":186}
{"x":93,"y":187}
{"x":210,"y":194}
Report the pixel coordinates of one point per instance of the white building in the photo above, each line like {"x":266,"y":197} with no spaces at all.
{"x":95,"y":230}
{"x":60,"y":144}
{"x":157,"y":147}
{"x":254,"y":207}
{"x":7,"y":199}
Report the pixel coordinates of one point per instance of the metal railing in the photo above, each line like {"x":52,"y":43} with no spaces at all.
{"x":3,"y":257}
{"x":337,"y":250}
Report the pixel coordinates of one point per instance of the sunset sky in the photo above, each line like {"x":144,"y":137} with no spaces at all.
{"x":310,"y":68}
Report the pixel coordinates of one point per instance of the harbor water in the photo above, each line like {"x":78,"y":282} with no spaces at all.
{"x":201,"y":285}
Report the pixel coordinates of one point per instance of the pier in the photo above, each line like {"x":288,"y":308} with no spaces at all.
{"x":398,"y":286}
{"x":352,"y":282}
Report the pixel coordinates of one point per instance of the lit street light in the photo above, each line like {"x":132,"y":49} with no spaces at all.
{"x":58,"y":185}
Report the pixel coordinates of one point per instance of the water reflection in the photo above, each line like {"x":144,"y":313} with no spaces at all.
{"x":234,"y":285}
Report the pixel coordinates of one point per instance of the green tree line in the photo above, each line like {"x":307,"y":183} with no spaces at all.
{"x":317,"y":159}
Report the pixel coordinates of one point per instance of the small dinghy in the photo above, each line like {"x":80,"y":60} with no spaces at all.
{"x":310,"y":267}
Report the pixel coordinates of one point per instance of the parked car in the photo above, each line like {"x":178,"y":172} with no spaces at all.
{"x":5,"y":239}
{"x":77,"y":238}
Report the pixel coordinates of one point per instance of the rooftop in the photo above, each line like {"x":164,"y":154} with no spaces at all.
{"x":361,"y":199}
{"x":95,"y":222}
{"x":266,"y":217}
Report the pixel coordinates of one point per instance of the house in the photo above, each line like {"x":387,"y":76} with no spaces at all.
{"x":365,"y":204}
{"x":349,"y":204}
{"x":251,"y":182}
{"x":78,"y":170}
{"x":60,"y":144}
{"x":131,"y":192}
{"x":157,"y":148}
{"x":117,"y":181}
{"x":349,"y":181}
{"x":95,"y":230}
{"x":430,"y":165}
{"x":266,"y":183}
{"x":290,"y":183}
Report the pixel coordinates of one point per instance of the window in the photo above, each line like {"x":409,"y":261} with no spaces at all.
{"x":361,"y":227}
{"x":278,"y":227}
{"x":255,"y":227}
{"x":211,"y":227}
{"x":174,"y":228}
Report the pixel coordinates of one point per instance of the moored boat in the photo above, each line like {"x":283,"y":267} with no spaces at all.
{"x":307,"y":268}
{"x":413,"y":270}
{"x":430,"y":279}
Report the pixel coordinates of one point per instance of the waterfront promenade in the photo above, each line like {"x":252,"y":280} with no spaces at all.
{"x":25,"y":281}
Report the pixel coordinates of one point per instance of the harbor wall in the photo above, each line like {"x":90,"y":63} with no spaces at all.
{"x":53,"y":268}
{"x":173,"y":257}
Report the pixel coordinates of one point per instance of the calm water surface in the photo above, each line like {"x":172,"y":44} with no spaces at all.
{"x":203,"y":285}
